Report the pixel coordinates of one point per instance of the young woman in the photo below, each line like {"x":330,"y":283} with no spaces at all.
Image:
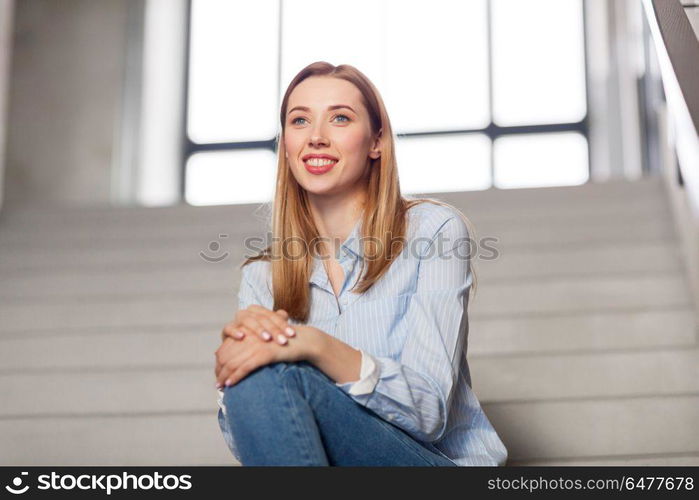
{"x":349,"y":345}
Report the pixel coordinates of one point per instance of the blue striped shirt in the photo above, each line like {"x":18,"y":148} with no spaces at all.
{"x":411,"y":327}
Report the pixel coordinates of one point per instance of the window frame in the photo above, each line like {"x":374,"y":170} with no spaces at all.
{"x":492,"y":131}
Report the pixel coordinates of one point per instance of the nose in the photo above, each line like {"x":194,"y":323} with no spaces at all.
{"x":318,"y":141}
{"x":317,"y":137}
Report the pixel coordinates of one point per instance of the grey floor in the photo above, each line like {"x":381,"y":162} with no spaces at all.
{"x":583,"y":341}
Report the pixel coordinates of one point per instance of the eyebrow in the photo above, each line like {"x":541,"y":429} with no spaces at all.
{"x":330,"y":108}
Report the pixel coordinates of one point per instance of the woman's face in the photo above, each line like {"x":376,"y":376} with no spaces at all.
{"x":327,"y":135}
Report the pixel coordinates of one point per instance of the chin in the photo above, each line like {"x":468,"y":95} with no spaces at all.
{"x":321,"y":186}
{"x":321,"y":190}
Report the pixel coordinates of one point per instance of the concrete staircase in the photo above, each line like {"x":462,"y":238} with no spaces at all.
{"x":583,"y":344}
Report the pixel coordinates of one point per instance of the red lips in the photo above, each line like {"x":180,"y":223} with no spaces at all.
{"x":316,"y":155}
{"x":321,"y":169}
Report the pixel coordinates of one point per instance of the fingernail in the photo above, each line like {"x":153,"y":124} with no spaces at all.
{"x":218,"y":385}
{"x":237,"y":334}
{"x":228,"y":382}
{"x":282,"y":339}
{"x":266,"y":335}
{"x":290,"y":331}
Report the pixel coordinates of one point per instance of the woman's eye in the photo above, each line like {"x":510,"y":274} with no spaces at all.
{"x":295,"y":121}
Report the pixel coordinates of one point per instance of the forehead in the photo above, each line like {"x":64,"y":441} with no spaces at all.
{"x":320,"y":92}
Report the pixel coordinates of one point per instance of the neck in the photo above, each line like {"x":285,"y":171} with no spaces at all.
{"x":335,"y":218}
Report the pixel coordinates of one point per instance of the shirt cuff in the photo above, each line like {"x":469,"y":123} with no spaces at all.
{"x":220,"y":401}
{"x":368,"y":377}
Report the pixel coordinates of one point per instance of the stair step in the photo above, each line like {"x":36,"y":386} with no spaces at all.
{"x":679,"y":459}
{"x":511,"y":263}
{"x":583,"y":230}
{"x":578,"y":236}
{"x":205,"y":277}
{"x":200,"y":275}
{"x":125,"y":312}
{"x":645,"y":188}
{"x":571,"y":295}
{"x":536,"y":431}
{"x":179,"y":345}
{"x":646,"y":257}
{"x":642,"y":192}
{"x":615,"y":427}
{"x":558,"y":296}
{"x":45,"y":260}
{"x":661,"y":372}
{"x":186,"y":344}
{"x":255,"y":217}
{"x":584,"y":331}
{"x":588,"y":375}
{"x":525,"y":213}
{"x":117,"y":440}
{"x":555,"y":296}
{"x":118,"y":390}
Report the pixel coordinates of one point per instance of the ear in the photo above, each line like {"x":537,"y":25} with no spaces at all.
{"x":375,"y":151}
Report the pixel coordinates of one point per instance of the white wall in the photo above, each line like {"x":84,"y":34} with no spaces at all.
{"x":162,"y":103}
{"x":614,"y":56}
{"x":96,"y":102}
{"x":65,"y":101}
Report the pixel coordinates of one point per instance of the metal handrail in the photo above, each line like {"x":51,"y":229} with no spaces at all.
{"x":677,"y":48}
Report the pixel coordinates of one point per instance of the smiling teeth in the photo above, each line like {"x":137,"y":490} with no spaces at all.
{"x":319,"y":162}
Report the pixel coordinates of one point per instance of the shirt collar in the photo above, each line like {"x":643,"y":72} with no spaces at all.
{"x":350,"y":248}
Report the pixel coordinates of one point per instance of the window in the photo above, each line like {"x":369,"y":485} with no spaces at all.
{"x":481,"y":93}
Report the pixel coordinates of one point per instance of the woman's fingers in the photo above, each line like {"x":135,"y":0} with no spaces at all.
{"x":231,"y":364}
{"x":257,"y":320}
{"x":254,"y":323}
{"x":248,"y":319}
{"x":230,"y":354}
{"x":288,"y":329}
{"x":268,"y":324}
{"x":240,"y":332}
{"x":222,"y":353}
{"x":231,"y":330}
{"x":243,"y":369}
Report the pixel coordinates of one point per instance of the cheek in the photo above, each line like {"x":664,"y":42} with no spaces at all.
{"x":291,"y":145}
{"x":355,"y":145}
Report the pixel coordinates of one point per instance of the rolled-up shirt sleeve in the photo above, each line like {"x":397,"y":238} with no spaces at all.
{"x":414,"y":392}
{"x":368,"y":377}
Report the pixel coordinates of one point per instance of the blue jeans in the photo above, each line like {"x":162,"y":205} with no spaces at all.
{"x":294,"y":414}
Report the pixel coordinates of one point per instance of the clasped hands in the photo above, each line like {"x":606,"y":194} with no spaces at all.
{"x":258,"y":336}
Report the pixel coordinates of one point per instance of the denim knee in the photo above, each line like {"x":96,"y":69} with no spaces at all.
{"x":264,"y":380}
{"x":305,"y":368}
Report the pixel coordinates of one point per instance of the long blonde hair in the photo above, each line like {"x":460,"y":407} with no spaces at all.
{"x":384,"y":218}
